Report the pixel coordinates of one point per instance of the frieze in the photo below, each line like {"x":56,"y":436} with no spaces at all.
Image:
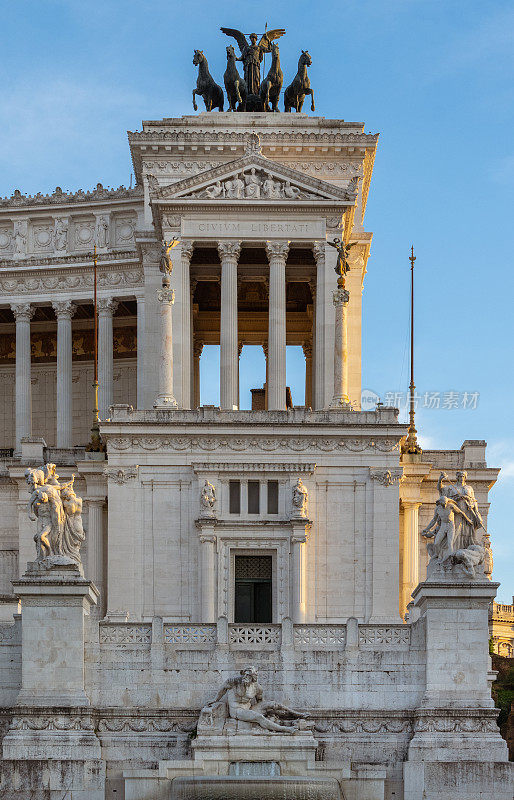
{"x":105,"y":259}
{"x":49,"y":282}
{"x":269,"y":444}
{"x":212,"y":466}
{"x":233,"y":137}
{"x":47,"y":722}
{"x":43,"y":345}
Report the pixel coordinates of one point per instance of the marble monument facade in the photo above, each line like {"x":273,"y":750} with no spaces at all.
{"x":286,"y":539}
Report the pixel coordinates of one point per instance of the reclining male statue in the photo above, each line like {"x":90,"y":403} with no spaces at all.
{"x":240,"y":698}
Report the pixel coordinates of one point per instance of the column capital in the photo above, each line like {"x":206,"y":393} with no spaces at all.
{"x":23,"y":311}
{"x":307,"y":348}
{"x":229,"y":249}
{"x":318,"y":248}
{"x":197,"y":347}
{"x":340,"y":296}
{"x":64,"y":309}
{"x":166,"y":295}
{"x":206,"y":537}
{"x":187,"y":247}
{"x":277,"y":249}
{"x":107,"y":305}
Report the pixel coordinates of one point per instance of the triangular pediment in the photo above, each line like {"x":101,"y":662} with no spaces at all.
{"x":255,"y":179}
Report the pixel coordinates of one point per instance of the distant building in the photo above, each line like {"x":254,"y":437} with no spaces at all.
{"x":501,"y":625}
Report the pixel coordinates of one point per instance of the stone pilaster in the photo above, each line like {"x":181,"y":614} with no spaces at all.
{"x":277,"y":255}
{"x":64,"y":311}
{"x":299,"y":536}
{"x":23,"y":313}
{"x":106,"y":308}
{"x":197,"y":352}
{"x":207,"y":540}
{"x":307,"y":351}
{"x":229,"y":366}
{"x":140,"y":299}
{"x":319,"y":315}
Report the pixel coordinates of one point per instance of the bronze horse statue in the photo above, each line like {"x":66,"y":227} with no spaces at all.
{"x":206,"y":86}
{"x":294,"y":95}
{"x":235,"y":86}
{"x":272,"y":83}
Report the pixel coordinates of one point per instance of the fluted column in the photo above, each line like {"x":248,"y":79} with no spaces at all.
{"x":229,"y":360}
{"x":95,"y":552}
{"x":23,"y":313}
{"x":185,"y":319}
{"x":165,"y":397}
{"x":307,"y":351}
{"x":140,"y":299}
{"x":106,"y":308}
{"x":277,"y":254}
{"x":207,"y":572}
{"x":340,"y":398}
{"x":64,"y":311}
{"x":197,"y":352}
{"x":319,"y":338}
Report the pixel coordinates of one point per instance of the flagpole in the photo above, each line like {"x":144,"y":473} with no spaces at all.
{"x":95,"y":444}
{"x":411,"y":443}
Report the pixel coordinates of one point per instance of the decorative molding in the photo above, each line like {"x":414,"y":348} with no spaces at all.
{"x":58,"y":281}
{"x":277,"y":250}
{"x":23,"y":312}
{"x":263,"y":466}
{"x":229,"y":250}
{"x":122,"y":474}
{"x":386,"y":477}
{"x":340,"y":296}
{"x":323,"y":444}
{"x":64,"y":309}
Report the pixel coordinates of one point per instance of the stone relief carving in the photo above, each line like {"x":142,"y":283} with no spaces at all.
{"x":255,"y":184}
{"x":299,"y":500}
{"x":386,"y":477}
{"x":43,"y":237}
{"x":20,"y":239}
{"x":102,"y":231}
{"x":5,"y":238}
{"x":240,"y":700}
{"x":455,"y":550}
{"x":58,"y":512}
{"x":122,"y":474}
{"x":208,"y":500}
{"x":61,"y":233}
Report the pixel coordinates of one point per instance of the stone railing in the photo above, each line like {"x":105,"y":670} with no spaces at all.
{"x":64,"y":457}
{"x":191,"y":635}
{"x":205,"y":636}
{"x":259,"y":637}
{"x":503,"y":610}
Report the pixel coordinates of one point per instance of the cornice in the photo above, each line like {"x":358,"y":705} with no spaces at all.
{"x":60,"y":198}
{"x":34,"y":262}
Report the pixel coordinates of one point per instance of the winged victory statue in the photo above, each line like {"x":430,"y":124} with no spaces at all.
{"x":252,"y":54}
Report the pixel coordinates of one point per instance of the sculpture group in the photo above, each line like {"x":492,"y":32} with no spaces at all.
{"x":453,"y":528}
{"x":58,"y":512}
{"x":249,"y":93}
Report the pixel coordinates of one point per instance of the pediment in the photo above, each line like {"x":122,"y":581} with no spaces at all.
{"x":255,"y":179}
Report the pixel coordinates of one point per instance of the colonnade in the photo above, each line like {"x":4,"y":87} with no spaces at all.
{"x":64,"y":311}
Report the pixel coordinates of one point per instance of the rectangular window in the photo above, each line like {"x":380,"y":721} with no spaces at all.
{"x":252,"y":595}
{"x":234,"y":489}
{"x":253,"y":497}
{"x":272,"y":497}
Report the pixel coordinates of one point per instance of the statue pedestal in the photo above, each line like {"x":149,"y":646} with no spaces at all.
{"x":456,"y":739}
{"x":51,"y":749}
{"x":293,"y":752}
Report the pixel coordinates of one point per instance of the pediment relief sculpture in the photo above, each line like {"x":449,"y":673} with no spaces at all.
{"x":255,"y":178}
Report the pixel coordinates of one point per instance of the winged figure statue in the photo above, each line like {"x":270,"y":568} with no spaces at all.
{"x":252,"y":54}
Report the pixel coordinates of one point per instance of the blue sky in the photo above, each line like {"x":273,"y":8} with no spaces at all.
{"x":434,"y":77}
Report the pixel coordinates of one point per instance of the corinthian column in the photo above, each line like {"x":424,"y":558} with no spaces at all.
{"x":319,"y":338}
{"x":229,"y":360}
{"x":277,"y":254}
{"x":165,"y":397}
{"x":64,"y":311}
{"x":23,"y":313}
{"x":106,"y":308}
{"x":207,"y":571}
{"x":340,"y":397}
{"x":307,"y":351}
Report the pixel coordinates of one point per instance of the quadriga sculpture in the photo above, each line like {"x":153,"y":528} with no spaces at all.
{"x":295,"y":94}
{"x":206,"y":86}
{"x":272,"y":83}
{"x":235,"y":86}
